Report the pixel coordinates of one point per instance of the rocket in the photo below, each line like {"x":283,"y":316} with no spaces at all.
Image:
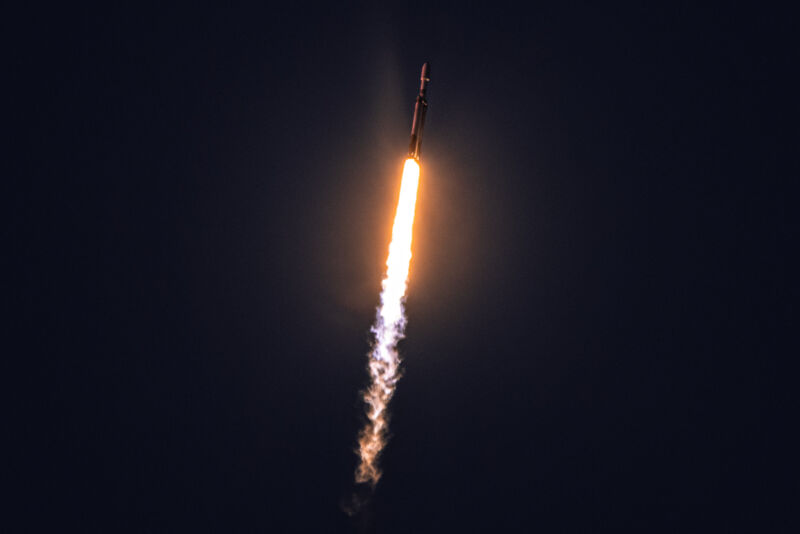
{"x":415,"y":146}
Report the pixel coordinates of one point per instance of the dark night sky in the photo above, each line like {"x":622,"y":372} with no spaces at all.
{"x":601,"y":294}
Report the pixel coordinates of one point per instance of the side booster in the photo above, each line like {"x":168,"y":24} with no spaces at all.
{"x":415,"y":146}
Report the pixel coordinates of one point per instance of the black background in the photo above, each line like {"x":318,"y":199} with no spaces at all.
{"x":600,"y":301}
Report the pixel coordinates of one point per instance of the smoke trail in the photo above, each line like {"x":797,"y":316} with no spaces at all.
{"x":390,"y":322}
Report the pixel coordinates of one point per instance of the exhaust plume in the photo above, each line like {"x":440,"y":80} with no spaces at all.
{"x":389,"y":326}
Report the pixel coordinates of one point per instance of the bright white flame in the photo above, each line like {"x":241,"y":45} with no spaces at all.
{"x":384,"y":362}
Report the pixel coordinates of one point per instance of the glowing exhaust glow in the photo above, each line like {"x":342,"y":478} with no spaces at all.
{"x":384,"y":361}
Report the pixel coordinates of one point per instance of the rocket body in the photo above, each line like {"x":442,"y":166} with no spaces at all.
{"x":417,"y":125}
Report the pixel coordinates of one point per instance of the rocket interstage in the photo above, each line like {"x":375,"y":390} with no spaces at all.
{"x":390,"y":320}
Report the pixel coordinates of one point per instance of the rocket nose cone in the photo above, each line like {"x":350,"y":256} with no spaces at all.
{"x":426,"y":71}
